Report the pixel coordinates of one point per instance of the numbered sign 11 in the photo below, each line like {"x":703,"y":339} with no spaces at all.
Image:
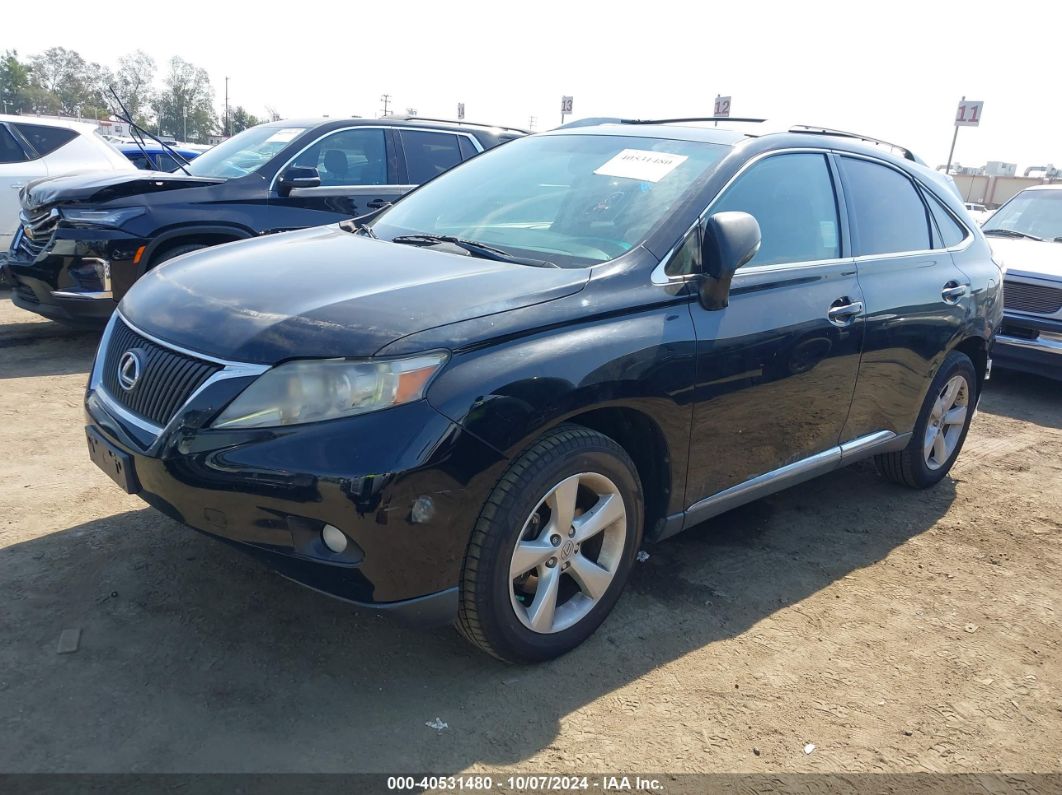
{"x":460,"y":110}
{"x":969,"y":113}
{"x":722,"y":106}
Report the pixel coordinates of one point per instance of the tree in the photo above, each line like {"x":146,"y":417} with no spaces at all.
{"x":133,"y":81}
{"x":185,"y":106}
{"x":76,"y":85}
{"x":14,"y":84}
{"x":240,"y":120}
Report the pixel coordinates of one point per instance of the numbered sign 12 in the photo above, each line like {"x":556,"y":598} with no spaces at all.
{"x":969,"y":113}
{"x":722,"y":106}
{"x":566,"y":104}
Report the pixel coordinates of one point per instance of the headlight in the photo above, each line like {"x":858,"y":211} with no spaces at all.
{"x":109,"y":218}
{"x":323,"y":389}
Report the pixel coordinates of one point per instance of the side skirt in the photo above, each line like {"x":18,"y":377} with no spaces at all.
{"x":782,"y":478}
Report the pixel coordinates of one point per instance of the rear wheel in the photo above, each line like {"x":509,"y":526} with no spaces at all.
{"x":941,"y":428}
{"x":552,"y":548}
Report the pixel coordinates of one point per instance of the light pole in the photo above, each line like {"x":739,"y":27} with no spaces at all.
{"x":954,"y":138}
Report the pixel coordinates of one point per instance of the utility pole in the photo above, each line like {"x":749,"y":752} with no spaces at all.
{"x":386,"y":100}
{"x":954,"y":138}
{"x":226,"y":106}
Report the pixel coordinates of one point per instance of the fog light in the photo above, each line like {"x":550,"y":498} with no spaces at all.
{"x":423,"y":510}
{"x":333,"y":539}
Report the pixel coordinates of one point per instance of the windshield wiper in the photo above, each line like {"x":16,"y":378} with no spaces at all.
{"x":474,"y":248}
{"x":1010,"y":233}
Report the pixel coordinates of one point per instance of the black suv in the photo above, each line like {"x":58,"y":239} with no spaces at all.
{"x":479,"y":405}
{"x":84,"y":239}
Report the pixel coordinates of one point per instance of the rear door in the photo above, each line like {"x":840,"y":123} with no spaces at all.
{"x":916,"y":298}
{"x":359,"y":173}
{"x":18,"y":166}
{"x":777,"y":367}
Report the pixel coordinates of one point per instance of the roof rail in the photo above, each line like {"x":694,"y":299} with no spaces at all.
{"x":406,"y":117}
{"x":693,"y":118}
{"x":816,"y":130}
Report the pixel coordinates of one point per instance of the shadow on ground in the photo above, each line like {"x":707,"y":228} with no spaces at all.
{"x":1023,"y":396}
{"x":193,"y":657}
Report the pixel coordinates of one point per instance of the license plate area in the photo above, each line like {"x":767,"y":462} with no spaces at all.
{"x":117,"y":464}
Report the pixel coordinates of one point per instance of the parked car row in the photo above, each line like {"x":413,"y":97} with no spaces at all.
{"x":85,"y":239}
{"x":476,"y":403}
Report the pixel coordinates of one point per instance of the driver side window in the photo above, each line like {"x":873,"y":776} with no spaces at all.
{"x":792,"y":198}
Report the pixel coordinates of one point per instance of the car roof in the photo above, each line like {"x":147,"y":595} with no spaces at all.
{"x":1054,"y":186}
{"x":397,"y":121}
{"x":70,"y":124}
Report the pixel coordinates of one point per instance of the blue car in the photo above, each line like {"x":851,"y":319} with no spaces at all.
{"x":153,"y":157}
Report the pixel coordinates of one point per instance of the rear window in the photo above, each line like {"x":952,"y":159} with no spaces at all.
{"x":45,"y":139}
{"x":887,"y":212}
{"x":951,"y":232}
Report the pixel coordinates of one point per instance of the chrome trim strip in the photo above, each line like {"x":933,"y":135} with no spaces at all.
{"x":1039,"y":344}
{"x":94,"y":296}
{"x":661,"y":278}
{"x":864,"y":443}
{"x":475,"y":142}
{"x":788,"y":475}
{"x":123,"y":413}
{"x":187,"y":351}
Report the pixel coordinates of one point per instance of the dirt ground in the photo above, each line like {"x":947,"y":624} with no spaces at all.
{"x":894,"y":630}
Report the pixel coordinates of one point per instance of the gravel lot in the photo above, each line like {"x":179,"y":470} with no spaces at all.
{"x":894,"y":630}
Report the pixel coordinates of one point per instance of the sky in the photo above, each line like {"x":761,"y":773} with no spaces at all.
{"x":893,"y":70}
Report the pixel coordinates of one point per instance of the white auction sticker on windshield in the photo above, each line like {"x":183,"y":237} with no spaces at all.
{"x":284,"y":135}
{"x":641,"y":164}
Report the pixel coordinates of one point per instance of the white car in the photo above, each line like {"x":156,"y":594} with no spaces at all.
{"x":31,"y":148}
{"x":1026,"y":237}
{"x":978,"y":212}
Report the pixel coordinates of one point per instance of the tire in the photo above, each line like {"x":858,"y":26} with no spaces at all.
{"x":176,"y":251}
{"x":914,"y":466}
{"x":502,"y":612}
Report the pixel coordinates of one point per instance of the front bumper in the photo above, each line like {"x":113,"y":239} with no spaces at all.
{"x":270,"y":492}
{"x":1029,"y":344}
{"x":78,"y":277}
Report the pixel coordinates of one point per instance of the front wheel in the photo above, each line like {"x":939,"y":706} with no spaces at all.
{"x":552,"y":548}
{"x":941,"y":427}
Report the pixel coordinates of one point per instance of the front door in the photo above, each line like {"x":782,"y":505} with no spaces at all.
{"x":776,"y":368}
{"x":359,"y":174}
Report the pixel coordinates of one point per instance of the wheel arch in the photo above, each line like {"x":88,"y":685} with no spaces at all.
{"x":211,"y":234}
{"x":977,"y":349}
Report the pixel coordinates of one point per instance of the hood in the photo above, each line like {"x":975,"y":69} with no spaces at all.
{"x":104,"y":186}
{"x":1041,"y":260}
{"x":324,"y":292}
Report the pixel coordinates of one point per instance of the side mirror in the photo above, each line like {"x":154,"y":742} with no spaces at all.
{"x":297,"y":177}
{"x":730,"y":240}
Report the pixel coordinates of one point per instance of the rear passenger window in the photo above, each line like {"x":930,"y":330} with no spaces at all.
{"x":792,"y":198}
{"x":429,"y":154}
{"x":45,"y":139}
{"x":888,"y":216}
{"x":10,"y":151}
{"x":951,"y":232}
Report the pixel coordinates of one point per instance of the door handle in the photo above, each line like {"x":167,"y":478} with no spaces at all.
{"x":843,"y":311}
{"x":953,"y":291}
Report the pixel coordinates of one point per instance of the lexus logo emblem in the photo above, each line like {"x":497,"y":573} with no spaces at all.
{"x":129,"y":369}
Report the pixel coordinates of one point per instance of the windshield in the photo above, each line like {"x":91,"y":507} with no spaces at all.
{"x":1037,"y":213}
{"x":243,"y":153}
{"x":574,"y":200}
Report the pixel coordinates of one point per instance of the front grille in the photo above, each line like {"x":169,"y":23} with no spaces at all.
{"x":1035,"y":298}
{"x":167,"y":378}
{"x":38,"y":229}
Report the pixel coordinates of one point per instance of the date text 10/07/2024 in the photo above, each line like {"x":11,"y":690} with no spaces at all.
{"x":478,"y":783}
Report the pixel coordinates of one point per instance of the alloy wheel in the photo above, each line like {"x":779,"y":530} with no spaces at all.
{"x":946,"y":421}
{"x":568,"y":553}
